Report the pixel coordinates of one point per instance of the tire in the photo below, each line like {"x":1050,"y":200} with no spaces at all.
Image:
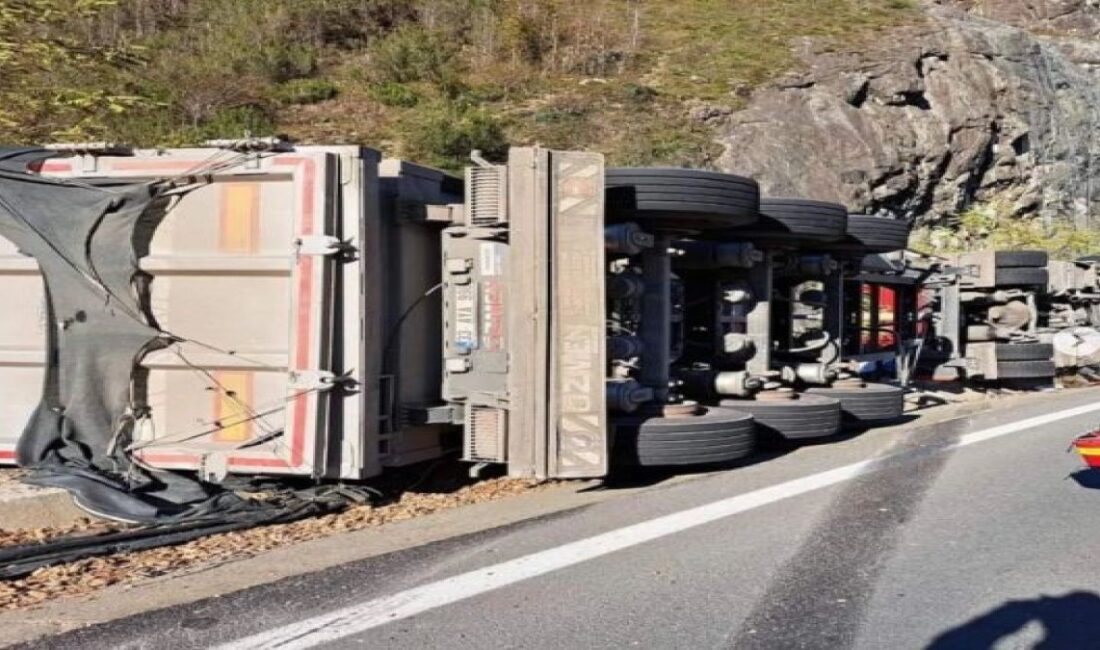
{"x":1021,"y":259}
{"x":868,"y":234}
{"x":1025,"y":369}
{"x":719,"y":435}
{"x":870,"y":404}
{"x":793,"y":221}
{"x":1021,"y":277}
{"x":681,"y":199}
{"x":804,"y":418}
{"x":980,"y":333}
{"x":1025,"y":352}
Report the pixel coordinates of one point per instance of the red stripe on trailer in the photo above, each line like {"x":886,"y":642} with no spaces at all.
{"x":164,"y":166}
{"x":54,"y":166}
{"x":304,"y":321}
{"x":7,"y":455}
{"x":306,"y":277}
{"x":195,"y":461}
{"x":258,"y":462}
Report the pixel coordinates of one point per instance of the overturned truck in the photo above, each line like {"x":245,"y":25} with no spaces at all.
{"x":325,"y":313}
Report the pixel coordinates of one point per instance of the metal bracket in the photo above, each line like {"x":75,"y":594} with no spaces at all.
{"x":323,"y":245}
{"x":312,"y":380}
{"x":89,"y":152}
{"x":91,"y":148}
{"x":478,"y":470}
{"x":252,"y":144}
{"x":441,"y":214}
{"x":215,"y":466}
{"x":421,"y":414}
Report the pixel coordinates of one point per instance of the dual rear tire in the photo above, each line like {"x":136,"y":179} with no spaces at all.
{"x":805,"y":417}
{"x":681,"y":200}
{"x":870,"y":235}
{"x":867,"y":404}
{"x":1021,"y":268}
{"x":715,"y":435}
{"x":796,"y":221}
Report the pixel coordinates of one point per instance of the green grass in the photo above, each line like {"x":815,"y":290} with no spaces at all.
{"x":711,"y":49}
{"x":993,"y":226}
{"x":425,"y":80}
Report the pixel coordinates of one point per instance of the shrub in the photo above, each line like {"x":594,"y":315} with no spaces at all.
{"x":413,"y":54}
{"x":237,"y":122}
{"x":392,"y":93}
{"x":993,"y":225}
{"x":305,"y":91}
{"x":558,"y":115}
{"x":639,"y":94}
{"x":57,"y":83}
{"x":444,"y":137}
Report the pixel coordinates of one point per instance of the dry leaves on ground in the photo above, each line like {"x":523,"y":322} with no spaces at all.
{"x":41,"y":535}
{"x":91,"y":575}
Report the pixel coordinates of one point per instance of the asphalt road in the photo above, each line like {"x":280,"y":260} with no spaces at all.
{"x":975,"y":533}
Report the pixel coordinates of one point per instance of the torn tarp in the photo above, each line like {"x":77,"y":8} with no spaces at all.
{"x":88,"y":240}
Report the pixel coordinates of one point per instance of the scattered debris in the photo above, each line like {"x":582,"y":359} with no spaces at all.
{"x":87,"y":576}
{"x":11,"y":475}
{"x":42,"y":535}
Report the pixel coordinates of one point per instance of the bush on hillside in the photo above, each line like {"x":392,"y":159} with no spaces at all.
{"x":444,"y":136}
{"x":413,"y":54}
{"x":994,"y":225}
{"x":305,"y":91}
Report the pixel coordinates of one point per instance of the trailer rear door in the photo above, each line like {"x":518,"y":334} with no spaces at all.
{"x":246,"y":273}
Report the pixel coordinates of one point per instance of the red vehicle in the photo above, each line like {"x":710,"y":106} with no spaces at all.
{"x":1088,"y":446}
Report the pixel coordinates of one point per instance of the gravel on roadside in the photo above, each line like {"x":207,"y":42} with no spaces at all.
{"x":84,"y":577}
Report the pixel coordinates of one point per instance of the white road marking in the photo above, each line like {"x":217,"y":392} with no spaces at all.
{"x":380,"y":611}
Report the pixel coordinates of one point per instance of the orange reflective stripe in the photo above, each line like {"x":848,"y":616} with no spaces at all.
{"x":240,"y":218}
{"x":236,"y":391}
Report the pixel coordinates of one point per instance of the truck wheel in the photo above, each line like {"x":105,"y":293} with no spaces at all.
{"x":868,"y":234}
{"x":785,"y":221}
{"x":1025,"y":352}
{"x":867,"y":404}
{"x":1025,"y":369}
{"x":805,"y":417}
{"x":681,"y":199}
{"x":1021,"y":276}
{"x":1021,"y":259}
{"x":718,"y":435}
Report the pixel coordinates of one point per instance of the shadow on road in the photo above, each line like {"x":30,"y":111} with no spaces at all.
{"x":1087,"y":478}
{"x":635,"y":477}
{"x":1068,"y":622}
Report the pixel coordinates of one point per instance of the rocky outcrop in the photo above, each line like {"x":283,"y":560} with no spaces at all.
{"x":1070,"y":18}
{"x":933,"y":117}
{"x":1073,"y":26}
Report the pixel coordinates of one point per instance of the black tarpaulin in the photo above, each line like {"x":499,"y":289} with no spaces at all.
{"x":88,"y":240}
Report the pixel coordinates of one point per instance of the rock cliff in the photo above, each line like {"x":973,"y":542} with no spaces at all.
{"x":966,"y":105}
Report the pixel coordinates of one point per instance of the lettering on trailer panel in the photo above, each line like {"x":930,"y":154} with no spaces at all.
{"x":465,"y":317}
{"x":579,"y":315}
{"x":492,"y":315}
{"x":491,"y":259}
{"x":493,"y":293}
{"x":579,"y":347}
